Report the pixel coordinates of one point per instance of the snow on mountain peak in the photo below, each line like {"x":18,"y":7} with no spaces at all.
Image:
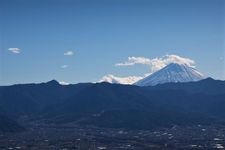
{"x":174,"y":72}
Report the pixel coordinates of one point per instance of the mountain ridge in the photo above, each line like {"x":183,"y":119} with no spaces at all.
{"x":117,"y":105}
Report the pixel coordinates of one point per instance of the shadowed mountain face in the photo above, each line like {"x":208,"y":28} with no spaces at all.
{"x":207,"y":86}
{"x":113,"y":105}
{"x":31,"y":99}
{"x":171,"y":73}
{"x":8,"y":125}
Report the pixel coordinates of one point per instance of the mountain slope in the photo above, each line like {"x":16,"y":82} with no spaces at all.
{"x":111,"y":105}
{"x":171,"y":73}
{"x":31,"y":99}
{"x":207,"y":86}
{"x":115,"y":105}
{"x":119,"y":106}
{"x":8,"y":125}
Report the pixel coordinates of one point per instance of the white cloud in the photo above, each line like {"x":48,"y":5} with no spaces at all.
{"x":14,"y":50}
{"x":156,"y":64}
{"x":69,"y":53}
{"x":120,"y":80}
{"x":63,"y":83}
{"x":64,"y":66}
{"x":178,"y":59}
{"x":135,"y":60}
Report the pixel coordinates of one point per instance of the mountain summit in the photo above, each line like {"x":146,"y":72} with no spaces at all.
{"x":171,"y":73}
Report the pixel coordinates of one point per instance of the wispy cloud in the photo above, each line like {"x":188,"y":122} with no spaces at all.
{"x":157,"y":63}
{"x":64,"y":66}
{"x":14,"y":50}
{"x":69,"y":53}
{"x":134,"y":60}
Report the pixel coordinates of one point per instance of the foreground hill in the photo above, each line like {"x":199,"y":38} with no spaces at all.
{"x":117,"y":106}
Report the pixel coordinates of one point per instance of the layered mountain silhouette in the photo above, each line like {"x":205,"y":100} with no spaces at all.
{"x":115,"y":105}
{"x":173,"y":72}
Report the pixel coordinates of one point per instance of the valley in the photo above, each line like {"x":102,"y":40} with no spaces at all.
{"x":75,"y":137}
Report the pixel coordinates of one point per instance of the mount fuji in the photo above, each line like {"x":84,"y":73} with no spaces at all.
{"x":173,"y":72}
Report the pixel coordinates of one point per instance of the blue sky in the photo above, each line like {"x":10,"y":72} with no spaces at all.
{"x":102,"y":33}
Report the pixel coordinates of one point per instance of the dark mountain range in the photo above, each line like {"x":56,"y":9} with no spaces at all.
{"x":116,"y":106}
{"x":207,"y":86}
{"x":8,"y":125}
{"x":31,"y":99}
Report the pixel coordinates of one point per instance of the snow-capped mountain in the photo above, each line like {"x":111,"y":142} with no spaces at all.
{"x":120,"y":80}
{"x":171,"y":73}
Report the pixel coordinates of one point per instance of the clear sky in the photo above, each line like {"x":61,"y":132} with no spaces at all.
{"x":81,"y":41}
